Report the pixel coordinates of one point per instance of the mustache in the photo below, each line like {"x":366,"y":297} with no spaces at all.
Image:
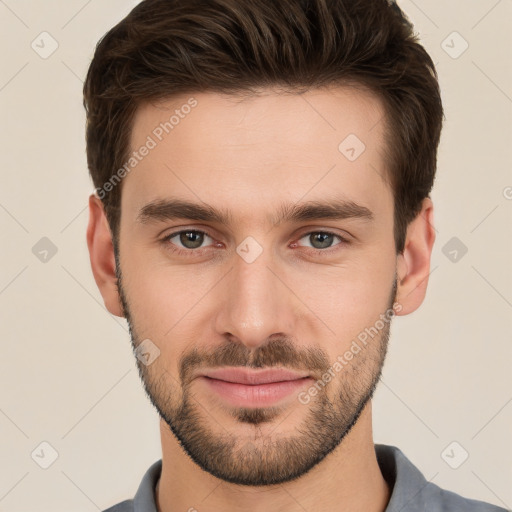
{"x":276,"y":352}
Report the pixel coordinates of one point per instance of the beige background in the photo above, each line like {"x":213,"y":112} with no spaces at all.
{"x":67,"y":374}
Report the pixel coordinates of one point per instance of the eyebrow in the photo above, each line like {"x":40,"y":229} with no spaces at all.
{"x":172,"y":209}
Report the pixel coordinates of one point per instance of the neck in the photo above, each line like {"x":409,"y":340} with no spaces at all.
{"x":348,"y":479}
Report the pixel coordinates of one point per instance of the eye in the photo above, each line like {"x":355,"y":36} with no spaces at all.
{"x":321,"y":240}
{"x":190,"y":241}
{"x":186,"y":240}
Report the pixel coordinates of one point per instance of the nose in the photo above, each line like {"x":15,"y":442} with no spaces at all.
{"x":256,"y":302}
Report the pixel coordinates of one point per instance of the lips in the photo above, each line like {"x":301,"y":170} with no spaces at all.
{"x":253,"y":377}
{"x":244,"y":387}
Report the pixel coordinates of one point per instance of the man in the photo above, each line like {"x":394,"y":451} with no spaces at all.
{"x":262,"y":212}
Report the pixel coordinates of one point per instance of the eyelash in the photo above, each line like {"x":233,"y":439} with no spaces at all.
{"x":192,"y":252}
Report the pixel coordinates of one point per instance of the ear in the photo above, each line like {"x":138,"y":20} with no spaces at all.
{"x":101,"y":253}
{"x":413,"y":264}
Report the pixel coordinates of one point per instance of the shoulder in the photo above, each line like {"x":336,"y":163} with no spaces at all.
{"x":450,"y":501}
{"x":124,"y":506}
{"x":144,"y":499}
{"x":411,"y":492}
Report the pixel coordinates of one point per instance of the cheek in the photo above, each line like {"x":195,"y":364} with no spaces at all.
{"x":164,"y":300}
{"x":351,"y":297}
{"x":162,"y":310}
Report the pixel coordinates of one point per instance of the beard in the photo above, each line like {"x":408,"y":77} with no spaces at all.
{"x":269,"y":458}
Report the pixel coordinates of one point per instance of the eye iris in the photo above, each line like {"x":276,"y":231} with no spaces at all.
{"x":194,"y":238}
{"x":325,"y":240}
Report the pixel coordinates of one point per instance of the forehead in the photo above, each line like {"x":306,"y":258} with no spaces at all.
{"x":249,"y":152}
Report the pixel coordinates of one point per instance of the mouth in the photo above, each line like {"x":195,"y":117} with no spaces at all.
{"x":253,"y":377}
{"x":244,"y":387}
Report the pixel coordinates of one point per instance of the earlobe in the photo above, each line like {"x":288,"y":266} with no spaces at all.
{"x":101,"y":254}
{"x":413,"y":265}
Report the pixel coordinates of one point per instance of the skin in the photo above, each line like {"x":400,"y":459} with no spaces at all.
{"x":249,"y":156}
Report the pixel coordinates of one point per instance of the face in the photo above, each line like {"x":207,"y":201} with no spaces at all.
{"x":255,"y":235}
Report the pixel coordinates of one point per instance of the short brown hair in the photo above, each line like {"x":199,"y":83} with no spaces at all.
{"x":169,"y":47}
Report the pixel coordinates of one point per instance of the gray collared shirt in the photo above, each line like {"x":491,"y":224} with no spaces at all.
{"x":410,"y":490}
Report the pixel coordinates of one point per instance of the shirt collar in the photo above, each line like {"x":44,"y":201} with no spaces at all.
{"x":405,"y":480}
